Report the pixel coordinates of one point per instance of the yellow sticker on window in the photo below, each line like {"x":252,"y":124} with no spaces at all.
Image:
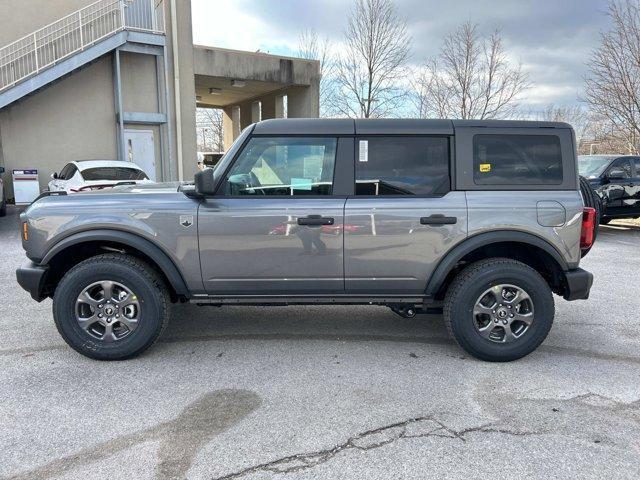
{"x":485,"y":167}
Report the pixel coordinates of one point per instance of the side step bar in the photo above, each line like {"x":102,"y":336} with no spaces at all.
{"x":309,"y":299}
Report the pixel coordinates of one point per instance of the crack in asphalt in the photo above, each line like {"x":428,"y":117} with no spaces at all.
{"x":418,"y":427}
{"x":431,"y":426}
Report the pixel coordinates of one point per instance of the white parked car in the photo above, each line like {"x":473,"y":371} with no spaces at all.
{"x":96,"y":175}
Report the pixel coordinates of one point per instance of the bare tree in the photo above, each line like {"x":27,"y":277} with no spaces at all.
{"x":371,"y":70}
{"x":612,"y":87}
{"x":209,"y":130}
{"x":602,"y":137}
{"x":575,"y":115}
{"x":470,"y":78}
{"x":311,"y":48}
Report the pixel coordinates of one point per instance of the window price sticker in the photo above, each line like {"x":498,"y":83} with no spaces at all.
{"x":364,"y":151}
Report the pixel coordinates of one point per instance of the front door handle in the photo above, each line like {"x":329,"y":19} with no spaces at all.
{"x":315,"y":220}
{"x":438,"y":219}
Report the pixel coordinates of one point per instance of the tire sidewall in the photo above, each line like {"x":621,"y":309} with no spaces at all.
{"x":76,"y":280}
{"x":462,"y":321}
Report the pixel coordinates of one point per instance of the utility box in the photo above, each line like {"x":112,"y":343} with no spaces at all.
{"x":25,"y":186}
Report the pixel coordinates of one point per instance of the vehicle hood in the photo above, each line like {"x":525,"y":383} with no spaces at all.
{"x":119,"y":199}
{"x":142,"y":187}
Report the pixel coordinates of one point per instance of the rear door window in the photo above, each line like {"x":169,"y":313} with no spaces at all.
{"x":517,"y":160}
{"x":402,"y":166}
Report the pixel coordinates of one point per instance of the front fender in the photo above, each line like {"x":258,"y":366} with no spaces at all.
{"x":155,"y":253}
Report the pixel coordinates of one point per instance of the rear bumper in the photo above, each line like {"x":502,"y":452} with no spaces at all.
{"x":31,"y":277}
{"x":578,"y":284}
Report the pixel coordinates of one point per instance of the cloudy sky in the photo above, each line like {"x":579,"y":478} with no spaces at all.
{"x":551,"y":38}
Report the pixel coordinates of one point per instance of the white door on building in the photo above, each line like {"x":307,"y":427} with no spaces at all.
{"x":140,"y":149}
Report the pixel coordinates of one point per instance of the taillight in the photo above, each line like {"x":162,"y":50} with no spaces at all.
{"x":588,"y":227}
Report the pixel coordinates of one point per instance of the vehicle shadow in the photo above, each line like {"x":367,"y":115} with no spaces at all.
{"x":190,"y":323}
{"x":620,"y":227}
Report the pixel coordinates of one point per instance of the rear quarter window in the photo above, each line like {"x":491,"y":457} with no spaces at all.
{"x":517,"y":160}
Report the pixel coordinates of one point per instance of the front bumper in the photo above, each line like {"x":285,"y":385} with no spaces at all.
{"x":31,"y":277}
{"x":578,"y":284}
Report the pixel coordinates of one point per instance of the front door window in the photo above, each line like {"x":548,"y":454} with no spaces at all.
{"x":283,"y":166}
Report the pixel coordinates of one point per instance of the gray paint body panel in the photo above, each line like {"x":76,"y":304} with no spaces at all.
{"x":156,"y":219}
{"x":255,"y":246}
{"x":387,"y":250}
{"x":518,"y":211}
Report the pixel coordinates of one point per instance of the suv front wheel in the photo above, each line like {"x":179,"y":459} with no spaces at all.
{"x":111,"y":307}
{"x":499,"y":309}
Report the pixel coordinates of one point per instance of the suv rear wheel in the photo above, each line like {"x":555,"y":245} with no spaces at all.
{"x":499,"y":309}
{"x":111,"y":307}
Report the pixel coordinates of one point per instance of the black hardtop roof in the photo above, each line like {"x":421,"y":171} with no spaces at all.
{"x":388,"y":126}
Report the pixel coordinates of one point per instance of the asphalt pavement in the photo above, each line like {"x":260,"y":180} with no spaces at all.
{"x":326,"y":392}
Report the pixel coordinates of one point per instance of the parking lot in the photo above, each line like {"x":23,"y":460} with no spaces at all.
{"x":326,"y":392}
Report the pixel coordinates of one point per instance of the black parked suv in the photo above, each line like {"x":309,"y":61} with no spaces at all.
{"x":616,"y":180}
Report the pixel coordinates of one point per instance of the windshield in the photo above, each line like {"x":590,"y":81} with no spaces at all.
{"x":592,"y":165}
{"x":231,"y":152}
{"x":113,"y":174}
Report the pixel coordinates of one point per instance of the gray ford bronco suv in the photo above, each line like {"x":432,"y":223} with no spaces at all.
{"x":481,"y":219}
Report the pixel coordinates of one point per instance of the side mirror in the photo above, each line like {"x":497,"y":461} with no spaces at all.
{"x":54,"y":176}
{"x":616,"y":174}
{"x":205,"y":182}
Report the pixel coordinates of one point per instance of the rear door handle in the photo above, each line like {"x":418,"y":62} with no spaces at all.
{"x":315,"y":220}
{"x":438,"y":219}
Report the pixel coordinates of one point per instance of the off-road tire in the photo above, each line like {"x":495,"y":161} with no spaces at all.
{"x":591,"y":199}
{"x":141,"y":278}
{"x":476,"y":278}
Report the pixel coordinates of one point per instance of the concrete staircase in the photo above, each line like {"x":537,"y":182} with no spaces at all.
{"x":54,"y":51}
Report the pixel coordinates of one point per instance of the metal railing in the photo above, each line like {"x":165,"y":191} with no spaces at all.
{"x":47,"y":46}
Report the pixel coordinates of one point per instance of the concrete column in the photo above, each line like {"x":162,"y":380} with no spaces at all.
{"x":245,"y":115}
{"x":230,"y":125}
{"x":273,"y":106}
{"x":255,"y":112}
{"x":180,"y":76}
{"x":280,"y":106}
{"x":303,"y":102}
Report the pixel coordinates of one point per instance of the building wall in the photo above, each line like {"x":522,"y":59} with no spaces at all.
{"x":139,"y":84}
{"x":73,"y":119}
{"x":140,"y":94}
{"x":29,"y":15}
